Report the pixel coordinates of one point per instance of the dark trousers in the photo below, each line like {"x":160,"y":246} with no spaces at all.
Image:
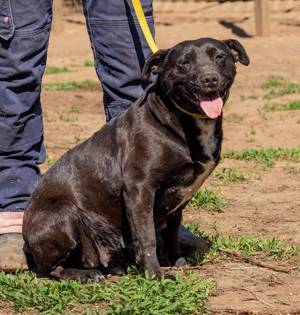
{"x":119,"y":49}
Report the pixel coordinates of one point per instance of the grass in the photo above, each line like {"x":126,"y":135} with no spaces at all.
{"x":71,"y":85}
{"x":267,"y":156}
{"x":56,"y":70}
{"x":70,"y":115}
{"x":230,"y":174}
{"x":234,"y":118}
{"x":279,"y":86}
{"x":249,"y":97}
{"x":74,"y":110}
{"x":89,"y":63}
{"x":293,"y":169}
{"x":292,"y":105}
{"x":47,"y":118}
{"x":247,"y":245}
{"x":49,"y":161}
{"x":77,"y":139}
{"x":208,"y":200}
{"x":66,"y":118}
{"x":273,"y":81}
{"x":135,"y":293}
{"x":131,"y":294}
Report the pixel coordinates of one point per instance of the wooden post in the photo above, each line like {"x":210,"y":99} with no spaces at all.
{"x":57,"y":22}
{"x":262,"y":17}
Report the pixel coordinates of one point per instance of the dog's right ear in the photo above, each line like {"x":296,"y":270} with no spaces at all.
{"x":154,"y":64}
{"x":238,"y":51}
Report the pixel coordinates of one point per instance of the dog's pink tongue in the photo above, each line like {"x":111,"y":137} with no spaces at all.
{"x":212,"y":107}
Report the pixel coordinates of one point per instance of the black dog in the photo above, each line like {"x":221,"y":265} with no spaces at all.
{"x":138,"y":172}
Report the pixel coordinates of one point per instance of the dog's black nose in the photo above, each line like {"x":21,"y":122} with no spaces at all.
{"x":210,"y":80}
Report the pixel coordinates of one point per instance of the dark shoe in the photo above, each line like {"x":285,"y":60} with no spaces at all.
{"x":12,"y":257}
{"x":190,"y":243}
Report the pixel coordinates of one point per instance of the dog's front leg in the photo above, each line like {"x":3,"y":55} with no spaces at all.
{"x":139,"y":208}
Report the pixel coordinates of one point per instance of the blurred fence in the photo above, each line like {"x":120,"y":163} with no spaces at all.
{"x":77,"y":3}
{"x":261,"y":8}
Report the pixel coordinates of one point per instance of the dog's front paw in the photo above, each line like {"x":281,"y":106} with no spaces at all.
{"x":153,"y":270}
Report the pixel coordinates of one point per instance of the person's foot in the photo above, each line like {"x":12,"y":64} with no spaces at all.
{"x":12,"y":257}
{"x":190,"y":243}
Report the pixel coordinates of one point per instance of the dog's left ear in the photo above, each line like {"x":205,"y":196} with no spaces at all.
{"x":153,"y":64}
{"x":238,"y":51}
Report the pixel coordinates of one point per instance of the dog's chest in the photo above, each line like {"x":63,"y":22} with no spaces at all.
{"x":186,"y":192}
{"x":191,"y":177}
{"x":208,"y":145}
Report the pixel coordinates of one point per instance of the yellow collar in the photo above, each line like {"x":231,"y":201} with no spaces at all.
{"x":194,"y":115}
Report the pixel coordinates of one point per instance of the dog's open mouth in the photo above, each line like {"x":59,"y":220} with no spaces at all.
{"x":212,"y":105}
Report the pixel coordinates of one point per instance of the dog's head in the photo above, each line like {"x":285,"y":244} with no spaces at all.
{"x":197,"y":74}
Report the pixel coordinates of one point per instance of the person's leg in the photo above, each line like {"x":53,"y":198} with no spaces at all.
{"x":120,"y":50}
{"x":24,"y":33}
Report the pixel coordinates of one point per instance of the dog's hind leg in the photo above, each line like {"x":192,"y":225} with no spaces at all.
{"x":55,"y":238}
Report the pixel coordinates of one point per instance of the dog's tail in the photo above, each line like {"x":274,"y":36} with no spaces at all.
{"x":106,"y":239}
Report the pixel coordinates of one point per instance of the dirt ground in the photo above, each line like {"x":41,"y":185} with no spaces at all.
{"x":268,"y":203}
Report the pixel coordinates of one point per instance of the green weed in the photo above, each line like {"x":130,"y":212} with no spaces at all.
{"x":250,"y":244}
{"x":293,"y":169}
{"x":67,"y":119}
{"x":230,"y":174}
{"x":247,"y":245}
{"x":89,"y":63}
{"x":234,"y":118}
{"x":49,"y":161}
{"x":69,"y":115}
{"x":56,"y":70}
{"x":72,"y":85}
{"x":132,"y":294}
{"x":278,"y":86}
{"x":273,"y":81}
{"x":293,"y":105}
{"x":77,"y":139}
{"x":267,"y":156}
{"x":74,"y":110}
{"x":208,"y":200}
{"x":249,"y":97}
{"x":48,"y":118}
{"x":271,"y":108}
{"x":252,"y":131}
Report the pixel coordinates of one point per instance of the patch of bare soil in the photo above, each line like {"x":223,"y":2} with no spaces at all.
{"x":7,"y":309}
{"x":268,"y":203}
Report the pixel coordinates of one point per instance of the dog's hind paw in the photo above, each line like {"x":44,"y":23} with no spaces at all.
{"x":117,"y":271}
{"x":82,"y":275}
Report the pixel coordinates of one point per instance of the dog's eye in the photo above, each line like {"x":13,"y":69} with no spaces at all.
{"x":220,"y":57}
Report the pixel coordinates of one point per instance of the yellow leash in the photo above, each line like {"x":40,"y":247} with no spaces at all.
{"x":138,"y":9}
{"x":144,"y":25}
